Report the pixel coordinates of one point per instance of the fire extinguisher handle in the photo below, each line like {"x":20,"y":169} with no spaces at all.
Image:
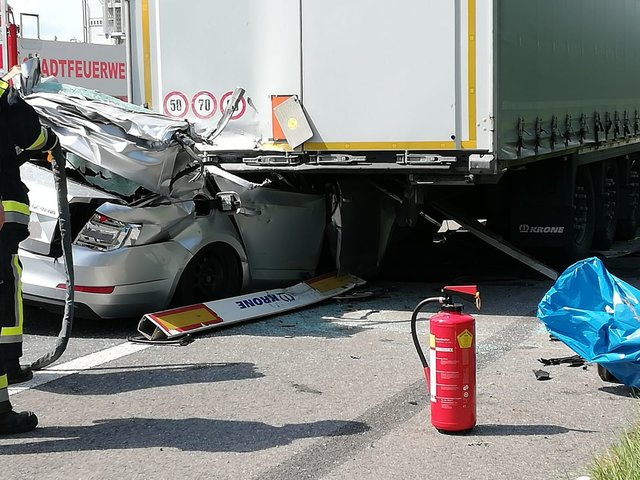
{"x":414,"y":333}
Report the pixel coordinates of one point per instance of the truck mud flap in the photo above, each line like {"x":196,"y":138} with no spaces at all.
{"x":486,"y":235}
{"x":190,"y":319}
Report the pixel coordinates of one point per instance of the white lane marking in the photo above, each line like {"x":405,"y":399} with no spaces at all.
{"x":54,"y":372}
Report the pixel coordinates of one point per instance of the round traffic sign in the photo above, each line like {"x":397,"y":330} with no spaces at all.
{"x":241,"y":108}
{"x":175,"y":104}
{"x":204,"y":104}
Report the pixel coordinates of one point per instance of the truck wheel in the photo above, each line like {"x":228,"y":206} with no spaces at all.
{"x":607,"y":208}
{"x":628,"y":226}
{"x":583,"y":216}
{"x":606,"y":375}
{"x":212,"y":274}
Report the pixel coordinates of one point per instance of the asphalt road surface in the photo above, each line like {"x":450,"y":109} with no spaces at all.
{"x":334,"y":391}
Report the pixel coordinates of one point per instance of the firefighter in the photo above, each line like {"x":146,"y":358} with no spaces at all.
{"x":19,"y":129}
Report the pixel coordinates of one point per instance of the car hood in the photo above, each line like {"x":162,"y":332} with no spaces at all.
{"x":127,"y":140}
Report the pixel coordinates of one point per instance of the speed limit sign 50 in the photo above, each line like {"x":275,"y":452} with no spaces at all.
{"x":175,"y":104}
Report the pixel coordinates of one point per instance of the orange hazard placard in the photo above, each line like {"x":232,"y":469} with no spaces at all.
{"x":187,"y":318}
{"x":277,"y":132}
{"x":328,"y":282}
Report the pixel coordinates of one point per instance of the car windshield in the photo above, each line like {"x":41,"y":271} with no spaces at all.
{"x":104,"y":179}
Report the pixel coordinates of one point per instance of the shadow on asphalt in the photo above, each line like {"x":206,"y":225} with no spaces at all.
{"x":188,"y":434}
{"x":621,"y":391}
{"x":38,"y":321}
{"x":463,"y":259}
{"x":101,"y":381}
{"x":510,"y":430}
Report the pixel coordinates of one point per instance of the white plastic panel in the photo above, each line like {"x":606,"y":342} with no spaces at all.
{"x":201,"y":50}
{"x":377,"y":72}
{"x":371,"y":74}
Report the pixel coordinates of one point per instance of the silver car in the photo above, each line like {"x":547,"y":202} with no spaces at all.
{"x":153,"y":224}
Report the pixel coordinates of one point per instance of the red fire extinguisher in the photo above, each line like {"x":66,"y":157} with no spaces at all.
{"x":12,"y":45}
{"x":450,"y":371}
{"x":12,"y":38}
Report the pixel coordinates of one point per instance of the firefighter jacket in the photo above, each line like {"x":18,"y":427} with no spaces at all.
{"x":19,"y":127}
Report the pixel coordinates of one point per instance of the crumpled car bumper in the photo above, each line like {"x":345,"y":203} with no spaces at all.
{"x":130,"y":279}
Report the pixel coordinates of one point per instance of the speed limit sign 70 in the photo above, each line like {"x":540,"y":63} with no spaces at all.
{"x":175,"y":104}
{"x":204,"y":104}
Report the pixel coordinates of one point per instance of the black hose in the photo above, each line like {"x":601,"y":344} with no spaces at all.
{"x":64,"y":221}
{"x":180,"y":341}
{"x":414,"y":333}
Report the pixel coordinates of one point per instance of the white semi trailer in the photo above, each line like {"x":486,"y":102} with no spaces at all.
{"x":526,"y":113}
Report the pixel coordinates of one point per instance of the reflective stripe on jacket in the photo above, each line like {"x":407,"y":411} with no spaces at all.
{"x":16,"y":212}
{"x":4,"y":390}
{"x":12,"y":330}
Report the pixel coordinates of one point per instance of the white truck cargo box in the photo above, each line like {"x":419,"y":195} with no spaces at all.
{"x":370,"y":75}
{"x":505,"y":79}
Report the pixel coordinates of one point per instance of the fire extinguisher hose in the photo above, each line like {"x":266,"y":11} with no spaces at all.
{"x":414,"y":333}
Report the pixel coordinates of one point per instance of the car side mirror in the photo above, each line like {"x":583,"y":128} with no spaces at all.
{"x":229,"y":202}
{"x":225,"y":202}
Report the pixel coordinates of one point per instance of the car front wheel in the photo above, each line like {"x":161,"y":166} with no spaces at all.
{"x":212,"y":274}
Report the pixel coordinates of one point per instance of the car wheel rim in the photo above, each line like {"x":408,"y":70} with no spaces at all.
{"x":208,"y":275}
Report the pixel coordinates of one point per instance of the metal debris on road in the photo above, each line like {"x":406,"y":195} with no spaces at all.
{"x":572,"y":361}
{"x":542,"y":375}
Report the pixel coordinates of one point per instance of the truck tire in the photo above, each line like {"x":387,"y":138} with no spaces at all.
{"x":606,"y":375}
{"x":630,"y":200}
{"x":607,"y":207}
{"x":584,"y":219}
{"x":213,"y":273}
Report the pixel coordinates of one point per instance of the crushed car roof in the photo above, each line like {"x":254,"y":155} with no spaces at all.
{"x":127,"y":140}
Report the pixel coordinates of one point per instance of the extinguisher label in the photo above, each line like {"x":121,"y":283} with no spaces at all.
{"x":432,"y":341}
{"x":465,"y":339}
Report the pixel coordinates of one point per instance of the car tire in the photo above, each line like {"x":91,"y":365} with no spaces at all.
{"x":212,"y":274}
{"x":606,"y":375}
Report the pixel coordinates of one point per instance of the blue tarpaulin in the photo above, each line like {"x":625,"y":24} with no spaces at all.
{"x":597,"y":315}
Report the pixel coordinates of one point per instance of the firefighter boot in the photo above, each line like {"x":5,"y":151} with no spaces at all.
{"x":13,"y":422}
{"x":17,"y":373}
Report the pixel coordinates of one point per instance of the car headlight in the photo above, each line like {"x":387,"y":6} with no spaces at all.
{"x":105,"y":233}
